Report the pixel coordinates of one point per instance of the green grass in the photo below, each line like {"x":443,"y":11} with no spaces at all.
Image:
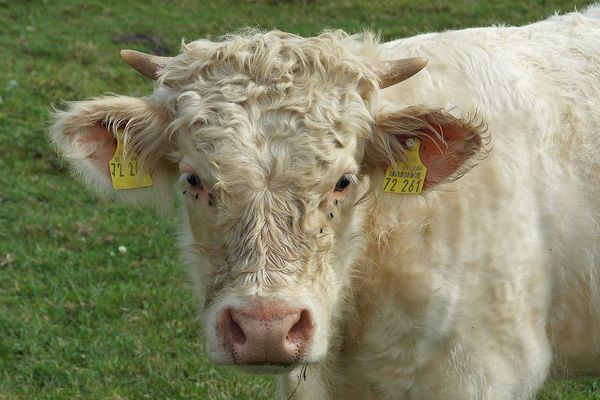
{"x":78,"y":319}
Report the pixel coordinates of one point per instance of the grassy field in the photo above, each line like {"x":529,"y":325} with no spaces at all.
{"x":77,"y":318}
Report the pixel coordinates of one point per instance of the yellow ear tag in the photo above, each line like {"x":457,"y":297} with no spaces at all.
{"x":125,"y":170}
{"x":408,"y":176}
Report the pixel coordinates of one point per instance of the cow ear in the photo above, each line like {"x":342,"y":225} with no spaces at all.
{"x":86,"y":136}
{"x":449,"y":147}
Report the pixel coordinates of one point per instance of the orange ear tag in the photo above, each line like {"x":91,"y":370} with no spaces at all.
{"x":125,"y":170}
{"x":407,"y":176}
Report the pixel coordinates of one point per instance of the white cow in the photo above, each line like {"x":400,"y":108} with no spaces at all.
{"x":320,"y":247}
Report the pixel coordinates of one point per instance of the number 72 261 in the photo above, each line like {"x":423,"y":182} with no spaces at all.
{"x":407,"y":185}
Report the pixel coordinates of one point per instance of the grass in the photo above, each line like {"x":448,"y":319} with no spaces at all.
{"x":77,"y":318}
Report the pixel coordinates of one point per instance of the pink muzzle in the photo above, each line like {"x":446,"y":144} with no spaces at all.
{"x":265,"y":332}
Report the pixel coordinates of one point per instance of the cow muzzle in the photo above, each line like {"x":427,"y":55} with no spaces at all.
{"x":266,"y":332}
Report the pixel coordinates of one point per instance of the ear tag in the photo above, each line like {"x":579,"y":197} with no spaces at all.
{"x":125,"y":170}
{"x":408,"y":176}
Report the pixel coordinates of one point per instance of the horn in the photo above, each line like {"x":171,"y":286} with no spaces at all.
{"x":147,"y":64}
{"x":396,"y":71}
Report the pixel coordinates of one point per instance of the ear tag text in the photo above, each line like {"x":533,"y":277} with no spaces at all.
{"x":409,"y":175}
{"x":125,"y":169}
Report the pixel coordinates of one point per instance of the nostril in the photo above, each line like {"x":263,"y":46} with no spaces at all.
{"x":235,"y":333}
{"x":266,"y":332}
{"x":300,"y":332}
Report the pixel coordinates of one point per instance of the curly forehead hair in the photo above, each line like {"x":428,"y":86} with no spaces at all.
{"x":268,"y":97}
{"x":274,"y":58}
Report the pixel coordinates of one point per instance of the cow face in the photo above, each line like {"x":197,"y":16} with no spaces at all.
{"x":269,"y":146}
{"x":270,"y":230}
{"x":269,"y":140}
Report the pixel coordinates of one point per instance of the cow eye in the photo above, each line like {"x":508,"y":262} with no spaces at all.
{"x":194,"y":181}
{"x":342,"y":184}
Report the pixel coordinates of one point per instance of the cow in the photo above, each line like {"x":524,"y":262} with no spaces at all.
{"x":417,"y":219}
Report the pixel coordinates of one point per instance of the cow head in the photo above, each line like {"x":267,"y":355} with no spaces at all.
{"x":270,"y":140}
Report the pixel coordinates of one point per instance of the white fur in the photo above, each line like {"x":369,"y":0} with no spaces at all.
{"x":475,"y":289}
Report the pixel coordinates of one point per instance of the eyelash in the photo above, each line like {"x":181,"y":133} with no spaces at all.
{"x":191,"y":180}
{"x":194,"y":181}
{"x":344,"y":182}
